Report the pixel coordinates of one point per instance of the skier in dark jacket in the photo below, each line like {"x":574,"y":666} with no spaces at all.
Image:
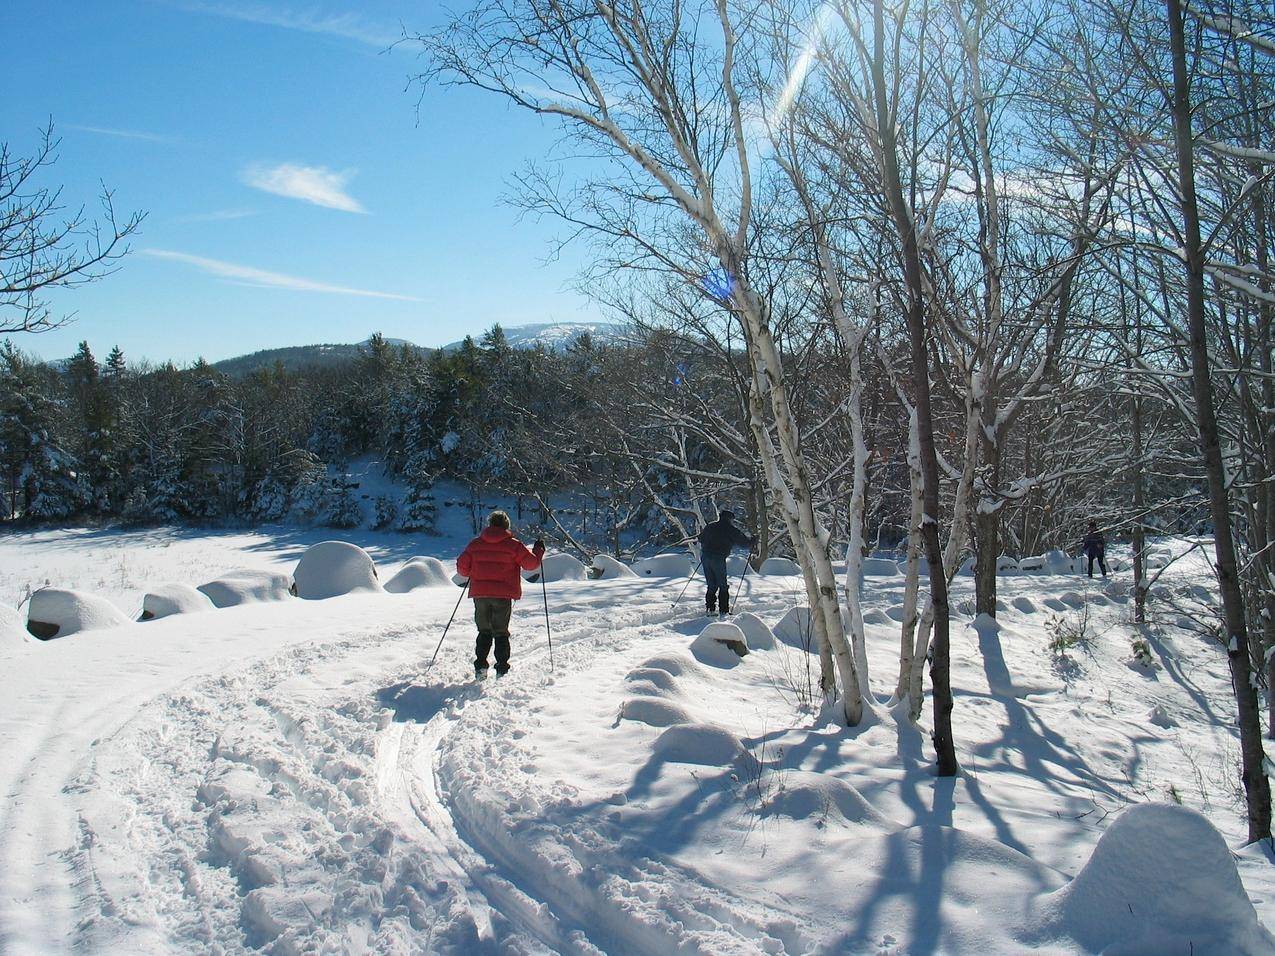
{"x":1094,"y":547}
{"x":492,"y":562}
{"x":716,"y":541}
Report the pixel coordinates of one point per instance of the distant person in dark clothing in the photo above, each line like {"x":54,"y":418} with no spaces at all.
{"x":716,"y":541}
{"x":1094,"y":547}
{"x":492,"y":562}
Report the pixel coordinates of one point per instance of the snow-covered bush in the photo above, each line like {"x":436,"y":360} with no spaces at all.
{"x":558,"y":567}
{"x":879,"y":568}
{"x":419,"y":573}
{"x":248,"y":587}
{"x":332,"y":568}
{"x":721,"y":643}
{"x":169,"y":599}
{"x":757,"y":635}
{"x":779,"y":567}
{"x":54,"y":612}
{"x":608,"y":568}
{"x":664,"y":566}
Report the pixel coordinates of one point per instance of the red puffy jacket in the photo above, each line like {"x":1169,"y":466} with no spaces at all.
{"x":492,"y":562}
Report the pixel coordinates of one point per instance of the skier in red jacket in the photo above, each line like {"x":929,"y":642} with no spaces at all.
{"x":492,"y":562}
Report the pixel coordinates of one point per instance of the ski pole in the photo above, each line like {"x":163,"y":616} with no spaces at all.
{"x":688,"y":584}
{"x":449,"y":624}
{"x":548,"y":633}
{"x":740,"y":583}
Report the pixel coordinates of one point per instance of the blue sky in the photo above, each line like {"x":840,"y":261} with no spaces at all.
{"x":293,"y":192}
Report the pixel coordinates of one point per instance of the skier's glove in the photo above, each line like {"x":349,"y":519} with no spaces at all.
{"x":539,"y":546}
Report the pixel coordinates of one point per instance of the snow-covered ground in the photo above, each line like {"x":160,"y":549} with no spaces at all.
{"x":288,"y":776}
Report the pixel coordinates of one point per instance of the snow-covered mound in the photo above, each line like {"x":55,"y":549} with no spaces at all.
{"x":1058,"y":562}
{"x":879,"y":568}
{"x":558,"y":567}
{"x":779,"y":567}
{"x":54,"y":612}
{"x":756,"y":633}
{"x":796,"y":629}
{"x":1161,"y":880}
{"x":807,"y":795}
{"x":1006,"y":563}
{"x":248,"y":587}
{"x":664,"y":566}
{"x":169,"y":599}
{"x":735,"y":564}
{"x":419,"y":573}
{"x":11,"y":629}
{"x":721,"y":644}
{"x":608,"y":567}
{"x":332,"y":568}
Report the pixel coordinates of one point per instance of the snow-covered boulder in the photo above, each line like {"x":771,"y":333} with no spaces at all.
{"x":664,"y":566}
{"x":558,"y":567}
{"x":967,"y":566}
{"x":608,"y":568}
{"x":778,"y":568}
{"x":1006,"y":563}
{"x":333,"y":568}
{"x":12,"y":631}
{"x":248,"y":587}
{"x":169,"y":599}
{"x":53,"y":612}
{"x":797,"y":630}
{"x":1160,"y":880}
{"x":1032,"y":564}
{"x":880,"y":568}
{"x":721,"y":643}
{"x":735,"y":565}
{"x":419,"y":573}
{"x":756,"y":634}
{"x":1158,"y":557}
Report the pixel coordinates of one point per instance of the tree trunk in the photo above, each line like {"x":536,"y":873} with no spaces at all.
{"x":1256,"y":786}
{"x":911,"y":585}
{"x":944,"y":745}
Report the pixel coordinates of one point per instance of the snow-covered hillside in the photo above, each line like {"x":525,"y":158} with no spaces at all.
{"x":289,"y":777}
{"x":557,"y":336}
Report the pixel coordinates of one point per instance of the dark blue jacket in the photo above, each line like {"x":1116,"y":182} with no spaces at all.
{"x":719,"y":536}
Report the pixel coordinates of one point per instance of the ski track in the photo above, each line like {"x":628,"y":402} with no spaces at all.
{"x":313,"y":800}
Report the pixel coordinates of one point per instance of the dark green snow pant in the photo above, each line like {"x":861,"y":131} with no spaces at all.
{"x":492,"y":617}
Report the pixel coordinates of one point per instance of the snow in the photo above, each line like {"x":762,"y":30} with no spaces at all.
{"x":879,"y":568}
{"x":288,"y":776}
{"x":332,"y":568}
{"x":248,"y":587}
{"x":169,"y":599}
{"x":664,"y":566}
{"x":419,"y":572}
{"x":54,"y":612}
{"x":779,"y":567}
{"x":13,"y":630}
{"x":608,"y":568}
{"x":1160,"y":880}
{"x":558,"y":567}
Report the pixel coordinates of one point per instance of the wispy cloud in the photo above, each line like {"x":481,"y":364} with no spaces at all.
{"x":308,"y":19}
{"x":218,"y":215}
{"x":261,"y":278}
{"x":313,"y":184}
{"x":120,"y":133}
